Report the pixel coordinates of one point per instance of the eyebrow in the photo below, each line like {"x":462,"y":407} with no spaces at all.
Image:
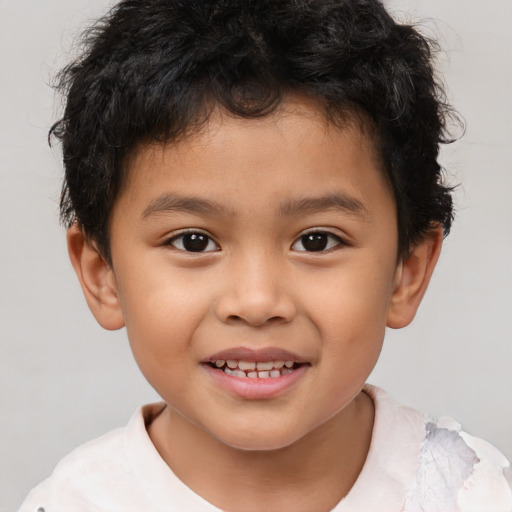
{"x":173,"y":203}
{"x":288,"y":208}
{"x":336,"y":201}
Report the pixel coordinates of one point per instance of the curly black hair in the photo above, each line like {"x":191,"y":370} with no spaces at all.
{"x":153,"y":70}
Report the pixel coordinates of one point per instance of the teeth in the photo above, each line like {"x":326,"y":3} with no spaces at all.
{"x":265,"y":365}
{"x":257,"y":375}
{"x":254,"y":370}
{"x":247,"y":365}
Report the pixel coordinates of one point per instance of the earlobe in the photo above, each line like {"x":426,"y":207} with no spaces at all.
{"x":412,"y":278}
{"x":96,"y":279}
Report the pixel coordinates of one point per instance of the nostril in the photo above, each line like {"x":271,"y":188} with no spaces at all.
{"x":254,"y":308}
{"x":255,"y":320}
{"x":234,"y":319}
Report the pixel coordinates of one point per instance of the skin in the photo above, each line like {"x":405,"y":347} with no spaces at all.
{"x":256,"y":287}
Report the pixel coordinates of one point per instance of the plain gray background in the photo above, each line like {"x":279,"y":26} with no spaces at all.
{"x":64,"y":380}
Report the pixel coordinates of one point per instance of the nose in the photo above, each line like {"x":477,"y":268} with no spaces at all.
{"x":255,"y":293}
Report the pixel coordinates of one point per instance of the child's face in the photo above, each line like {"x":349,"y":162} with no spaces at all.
{"x":212,"y":262}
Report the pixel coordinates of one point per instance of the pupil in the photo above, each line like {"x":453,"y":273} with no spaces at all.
{"x":195,"y":242}
{"x":315,"y":241}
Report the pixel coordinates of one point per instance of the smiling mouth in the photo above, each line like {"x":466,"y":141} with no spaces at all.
{"x":255,"y":369}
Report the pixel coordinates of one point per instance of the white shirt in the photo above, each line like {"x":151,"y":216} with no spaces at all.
{"x":414,"y":464}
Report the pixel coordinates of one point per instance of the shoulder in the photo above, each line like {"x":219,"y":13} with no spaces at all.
{"x":92,"y":475}
{"x":421,"y":464}
{"x":459,"y":472}
{"x":71,"y":484}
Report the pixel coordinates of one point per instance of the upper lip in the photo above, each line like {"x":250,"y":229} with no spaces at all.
{"x":260,"y":354}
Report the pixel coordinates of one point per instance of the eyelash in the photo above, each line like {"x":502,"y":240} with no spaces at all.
{"x":180,"y":236}
{"x":330,"y":238}
{"x":331,"y":241}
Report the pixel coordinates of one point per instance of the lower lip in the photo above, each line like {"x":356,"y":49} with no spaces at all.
{"x":256,"y":389}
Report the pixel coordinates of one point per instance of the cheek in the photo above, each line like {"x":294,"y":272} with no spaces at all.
{"x":162,"y":299}
{"x":161,"y":316}
{"x":352,"y":302}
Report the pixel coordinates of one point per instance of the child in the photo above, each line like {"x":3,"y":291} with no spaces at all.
{"x":252,"y":189}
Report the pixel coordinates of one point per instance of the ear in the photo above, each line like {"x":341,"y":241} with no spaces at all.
{"x":412,"y":277}
{"x":96,"y":278}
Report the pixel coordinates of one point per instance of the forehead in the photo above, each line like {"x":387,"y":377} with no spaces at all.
{"x":292,"y":154}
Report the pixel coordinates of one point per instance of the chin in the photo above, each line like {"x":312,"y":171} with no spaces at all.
{"x":259,"y":440}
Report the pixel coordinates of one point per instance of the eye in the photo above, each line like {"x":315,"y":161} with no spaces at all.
{"x":193,"y":241}
{"x":316,"y":241}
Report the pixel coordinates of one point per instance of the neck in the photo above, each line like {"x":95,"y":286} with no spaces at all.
{"x":314,"y":473}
